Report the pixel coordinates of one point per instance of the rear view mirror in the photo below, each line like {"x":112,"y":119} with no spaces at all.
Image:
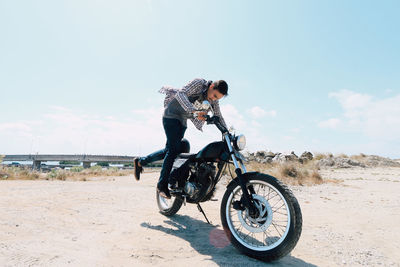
{"x":205,"y":105}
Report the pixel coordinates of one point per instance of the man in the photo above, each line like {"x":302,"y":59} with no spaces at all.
{"x":179,"y":106}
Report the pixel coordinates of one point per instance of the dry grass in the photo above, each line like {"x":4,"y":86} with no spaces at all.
{"x":319,"y":156}
{"x":17,"y":173}
{"x":361,"y":157}
{"x":74,"y":174}
{"x":290,"y":172}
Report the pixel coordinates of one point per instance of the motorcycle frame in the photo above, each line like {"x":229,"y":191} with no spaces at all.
{"x":240,"y":170}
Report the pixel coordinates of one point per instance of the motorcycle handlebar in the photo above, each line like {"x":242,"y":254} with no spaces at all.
{"x":213,"y":120}
{"x":217,"y":122}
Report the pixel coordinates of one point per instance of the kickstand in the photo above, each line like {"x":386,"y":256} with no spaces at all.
{"x":202,"y":211}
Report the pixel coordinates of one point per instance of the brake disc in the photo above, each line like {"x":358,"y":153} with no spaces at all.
{"x":264,"y":219}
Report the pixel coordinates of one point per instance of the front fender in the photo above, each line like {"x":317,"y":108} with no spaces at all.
{"x":246,"y":176}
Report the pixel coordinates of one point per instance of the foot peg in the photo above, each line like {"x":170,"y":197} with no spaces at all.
{"x":174,"y":188}
{"x":175,"y":191}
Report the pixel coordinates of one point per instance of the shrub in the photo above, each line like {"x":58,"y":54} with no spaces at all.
{"x":52,"y":174}
{"x":293,"y":173}
{"x":113,"y":170}
{"x":33,"y":175}
{"x":3,"y":174}
{"x":76,"y":169}
{"x":319,"y":156}
{"x":289,"y":170}
{"x":316,"y":177}
{"x":57,"y":174}
{"x":96,"y":168}
{"x":68,"y":162}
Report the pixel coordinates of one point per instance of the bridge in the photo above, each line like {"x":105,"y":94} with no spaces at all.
{"x":85,"y":159}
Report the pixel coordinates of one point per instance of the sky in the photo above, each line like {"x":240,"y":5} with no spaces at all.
{"x":82,"y":77}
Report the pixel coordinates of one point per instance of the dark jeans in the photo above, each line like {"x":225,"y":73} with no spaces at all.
{"x":174,"y":130}
{"x":155,"y":156}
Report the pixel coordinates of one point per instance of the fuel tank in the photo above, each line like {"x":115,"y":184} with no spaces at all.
{"x":213,"y":151}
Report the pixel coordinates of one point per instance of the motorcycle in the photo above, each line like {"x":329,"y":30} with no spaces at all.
{"x":260,"y":215}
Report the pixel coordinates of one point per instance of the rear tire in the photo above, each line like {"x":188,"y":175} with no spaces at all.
{"x":274,"y":231}
{"x":168,"y":207}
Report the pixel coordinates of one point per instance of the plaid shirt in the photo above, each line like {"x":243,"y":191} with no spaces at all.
{"x":197,"y":86}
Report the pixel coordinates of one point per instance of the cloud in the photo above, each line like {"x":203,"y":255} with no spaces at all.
{"x":15,"y":126}
{"x":241,"y":122}
{"x":257,"y":112}
{"x":376,"y":118}
{"x":332,"y":123}
{"x":61,"y":130}
{"x":233,"y":116}
{"x":351,"y":100}
{"x":148,"y":112}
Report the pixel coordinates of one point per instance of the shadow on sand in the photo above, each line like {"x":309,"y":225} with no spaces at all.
{"x":207,"y":239}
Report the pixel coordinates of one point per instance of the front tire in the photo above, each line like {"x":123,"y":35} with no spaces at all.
{"x":168,"y":207}
{"x":274,"y":231}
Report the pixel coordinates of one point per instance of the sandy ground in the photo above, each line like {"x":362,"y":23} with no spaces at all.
{"x":114,"y":221}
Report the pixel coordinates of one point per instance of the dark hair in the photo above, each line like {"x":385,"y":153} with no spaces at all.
{"x":221,"y":86}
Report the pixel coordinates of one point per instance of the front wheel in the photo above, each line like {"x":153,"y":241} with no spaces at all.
{"x":168,"y":207}
{"x":274,"y":230}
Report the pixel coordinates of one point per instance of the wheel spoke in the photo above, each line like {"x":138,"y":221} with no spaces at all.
{"x":283,"y":205}
{"x":279,"y":225}
{"x":265,"y":238}
{"x":280,"y":213}
{"x":255,"y":232}
{"x":276,"y":229}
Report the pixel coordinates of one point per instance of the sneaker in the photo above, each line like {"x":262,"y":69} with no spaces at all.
{"x":164,"y":193}
{"x":138,"y":169}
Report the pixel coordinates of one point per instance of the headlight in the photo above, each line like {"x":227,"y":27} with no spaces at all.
{"x":240,"y":142}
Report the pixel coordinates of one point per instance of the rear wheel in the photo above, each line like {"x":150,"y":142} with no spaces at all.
{"x":168,"y":207}
{"x":274,"y":230}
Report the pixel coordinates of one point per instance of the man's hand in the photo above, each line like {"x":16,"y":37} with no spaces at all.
{"x":201,"y":116}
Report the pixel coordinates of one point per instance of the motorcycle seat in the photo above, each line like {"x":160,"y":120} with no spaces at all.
{"x":186,"y":155}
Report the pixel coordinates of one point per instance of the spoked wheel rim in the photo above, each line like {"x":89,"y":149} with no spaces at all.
{"x":165,"y":204}
{"x":269,"y":227}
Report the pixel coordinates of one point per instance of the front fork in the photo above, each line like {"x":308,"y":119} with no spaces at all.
{"x":247,"y":198}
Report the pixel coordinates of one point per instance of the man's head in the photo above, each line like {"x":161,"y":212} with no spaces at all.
{"x":217,"y":90}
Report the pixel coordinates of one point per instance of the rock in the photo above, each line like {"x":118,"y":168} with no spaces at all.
{"x":326,"y":162}
{"x":279,"y":157}
{"x":330,"y":161}
{"x":266,"y":160}
{"x":292,"y":156}
{"x":270,"y":154}
{"x":260,"y":154}
{"x":307,"y":155}
{"x":339,"y":163}
{"x":377,"y":161}
{"x":347,"y":163}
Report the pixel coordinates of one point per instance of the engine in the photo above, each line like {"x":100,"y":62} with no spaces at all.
{"x":200,"y":182}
